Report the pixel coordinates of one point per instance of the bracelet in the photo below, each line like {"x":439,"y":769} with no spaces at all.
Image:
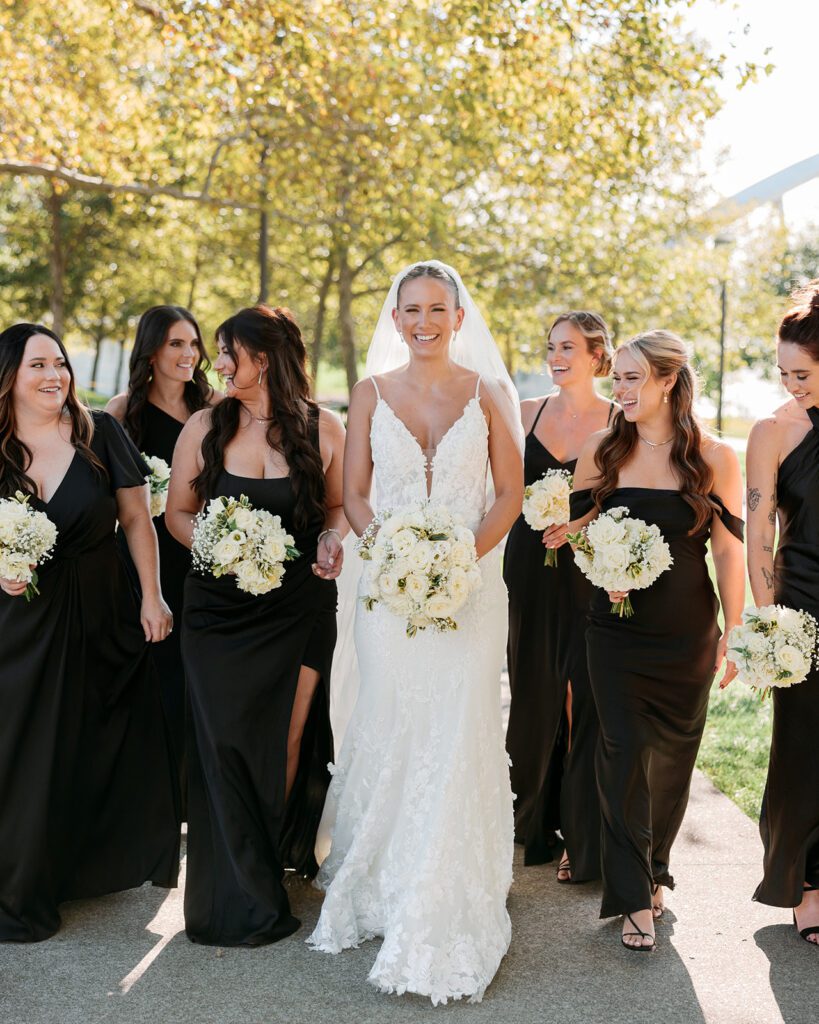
{"x":325,"y":532}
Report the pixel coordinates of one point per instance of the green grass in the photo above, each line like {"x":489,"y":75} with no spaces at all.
{"x":735,"y":745}
{"x":92,"y":399}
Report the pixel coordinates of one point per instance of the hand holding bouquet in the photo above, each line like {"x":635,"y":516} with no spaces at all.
{"x":546,"y":503}
{"x":618,"y":553}
{"x":27,"y":539}
{"x":158,"y":480}
{"x":233,"y":537}
{"x":422,"y":566}
{"x":774,"y":646}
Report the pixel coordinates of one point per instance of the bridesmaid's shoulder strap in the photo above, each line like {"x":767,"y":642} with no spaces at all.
{"x":611,"y":413}
{"x":375,"y":385}
{"x":732,"y":523}
{"x":540,"y":410}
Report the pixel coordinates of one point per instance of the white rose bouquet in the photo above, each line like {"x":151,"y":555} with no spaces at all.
{"x":27,"y":539}
{"x":774,"y":646}
{"x":231,"y":536}
{"x":616,"y":552}
{"x":546,"y":503}
{"x":422,"y":566}
{"x":158,"y":480}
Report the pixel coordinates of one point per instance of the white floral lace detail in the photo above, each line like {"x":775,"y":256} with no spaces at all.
{"x":420,"y":796}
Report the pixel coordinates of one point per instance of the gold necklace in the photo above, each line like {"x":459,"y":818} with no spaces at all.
{"x":654,"y":444}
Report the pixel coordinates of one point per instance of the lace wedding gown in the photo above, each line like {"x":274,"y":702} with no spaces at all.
{"x":420,"y":797}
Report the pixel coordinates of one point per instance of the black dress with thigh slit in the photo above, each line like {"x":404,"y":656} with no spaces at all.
{"x":789,"y":823}
{"x":650,"y":675}
{"x":87,"y":790}
{"x":242,"y":656}
{"x":553,"y":779}
{"x":160,"y":432}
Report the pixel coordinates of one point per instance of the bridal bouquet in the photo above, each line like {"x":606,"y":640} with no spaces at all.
{"x":27,"y":539}
{"x":616,"y":552}
{"x":546,"y":503}
{"x":158,"y":480}
{"x":233,"y":537}
{"x":774,"y":646}
{"x":422,"y":566}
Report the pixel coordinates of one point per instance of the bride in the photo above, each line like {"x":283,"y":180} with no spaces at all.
{"x":420,"y":805}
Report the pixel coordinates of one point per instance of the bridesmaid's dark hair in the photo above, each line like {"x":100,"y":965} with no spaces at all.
{"x":151,"y":334}
{"x":273,"y":332}
{"x":800,"y":325}
{"x":596,"y":332}
{"x":661,"y":354}
{"x":15,"y":456}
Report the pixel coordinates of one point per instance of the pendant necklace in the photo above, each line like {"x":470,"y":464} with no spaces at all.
{"x":654,"y":444}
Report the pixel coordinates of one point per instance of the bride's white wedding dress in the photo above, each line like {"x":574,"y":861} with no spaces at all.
{"x":420,"y":797}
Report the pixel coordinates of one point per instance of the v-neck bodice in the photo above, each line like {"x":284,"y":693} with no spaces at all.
{"x":459,"y":465}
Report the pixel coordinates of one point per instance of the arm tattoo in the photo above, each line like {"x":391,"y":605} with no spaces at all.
{"x":766,"y":548}
{"x":768,"y":577}
{"x":754,"y":494}
{"x":772,"y":513}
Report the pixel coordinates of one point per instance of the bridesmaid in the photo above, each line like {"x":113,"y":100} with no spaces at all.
{"x":651,"y":674}
{"x":86,"y":785}
{"x":783,"y":478}
{"x":552,"y":721}
{"x":167,"y":384}
{"x":258,"y":667}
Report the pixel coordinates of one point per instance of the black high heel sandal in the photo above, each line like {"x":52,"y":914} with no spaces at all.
{"x":564,"y":865}
{"x":656,"y":911}
{"x":643,"y":935}
{"x":804,"y":933}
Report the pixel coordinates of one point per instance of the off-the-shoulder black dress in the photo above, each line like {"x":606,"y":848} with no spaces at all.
{"x":651,"y":675}
{"x":789,"y":823}
{"x":87,"y":802}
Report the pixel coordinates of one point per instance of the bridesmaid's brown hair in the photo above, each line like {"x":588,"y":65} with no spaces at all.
{"x":800,"y":325}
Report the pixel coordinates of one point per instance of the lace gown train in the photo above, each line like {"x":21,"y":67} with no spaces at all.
{"x":420,"y":797}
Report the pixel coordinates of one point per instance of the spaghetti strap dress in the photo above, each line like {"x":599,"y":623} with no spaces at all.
{"x":553,"y":779}
{"x":242,"y":655}
{"x":87,"y":790}
{"x":789,"y":823}
{"x":650,"y":676}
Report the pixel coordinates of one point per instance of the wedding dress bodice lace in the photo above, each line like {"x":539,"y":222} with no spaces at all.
{"x":420,"y":805}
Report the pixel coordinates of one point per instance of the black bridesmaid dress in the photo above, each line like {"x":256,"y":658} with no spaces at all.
{"x":650,"y":675}
{"x":554,"y":781}
{"x":87,"y":801}
{"x":789,"y":823}
{"x":160,"y":432}
{"x":242,"y":657}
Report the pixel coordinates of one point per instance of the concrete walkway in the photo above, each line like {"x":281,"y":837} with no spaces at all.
{"x":124,"y":959}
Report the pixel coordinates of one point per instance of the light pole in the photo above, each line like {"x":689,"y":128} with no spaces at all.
{"x":721,"y":240}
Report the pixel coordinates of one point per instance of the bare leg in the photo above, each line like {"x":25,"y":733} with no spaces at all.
{"x":305,"y":689}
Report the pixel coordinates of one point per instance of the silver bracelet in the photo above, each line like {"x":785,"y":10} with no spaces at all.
{"x":325,"y":532}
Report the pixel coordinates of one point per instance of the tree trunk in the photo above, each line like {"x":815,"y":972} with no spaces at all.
{"x":345,"y":318}
{"x":318,"y":330}
{"x":92,"y":384}
{"x":118,"y":384}
{"x":54,"y":204}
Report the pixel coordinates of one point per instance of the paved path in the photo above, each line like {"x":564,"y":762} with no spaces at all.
{"x":723,"y":959}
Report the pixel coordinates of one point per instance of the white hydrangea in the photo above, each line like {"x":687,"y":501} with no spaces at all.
{"x":27,"y":539}
{"x":232,"y":538}
{"x":616,"y":552}
{"x":775,"y":646}
{"x":422,"y":566}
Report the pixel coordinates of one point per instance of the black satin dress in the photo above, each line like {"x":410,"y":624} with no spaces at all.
{"x":87,"y":802}
{"x":242,"y":655}
{"x":650,"y":675}
{"x":160,"y":432}
{"x":789,"y":823}
{"x":554,"y":782}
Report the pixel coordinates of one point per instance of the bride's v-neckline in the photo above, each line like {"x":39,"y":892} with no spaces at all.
{"x":429,"y":465}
